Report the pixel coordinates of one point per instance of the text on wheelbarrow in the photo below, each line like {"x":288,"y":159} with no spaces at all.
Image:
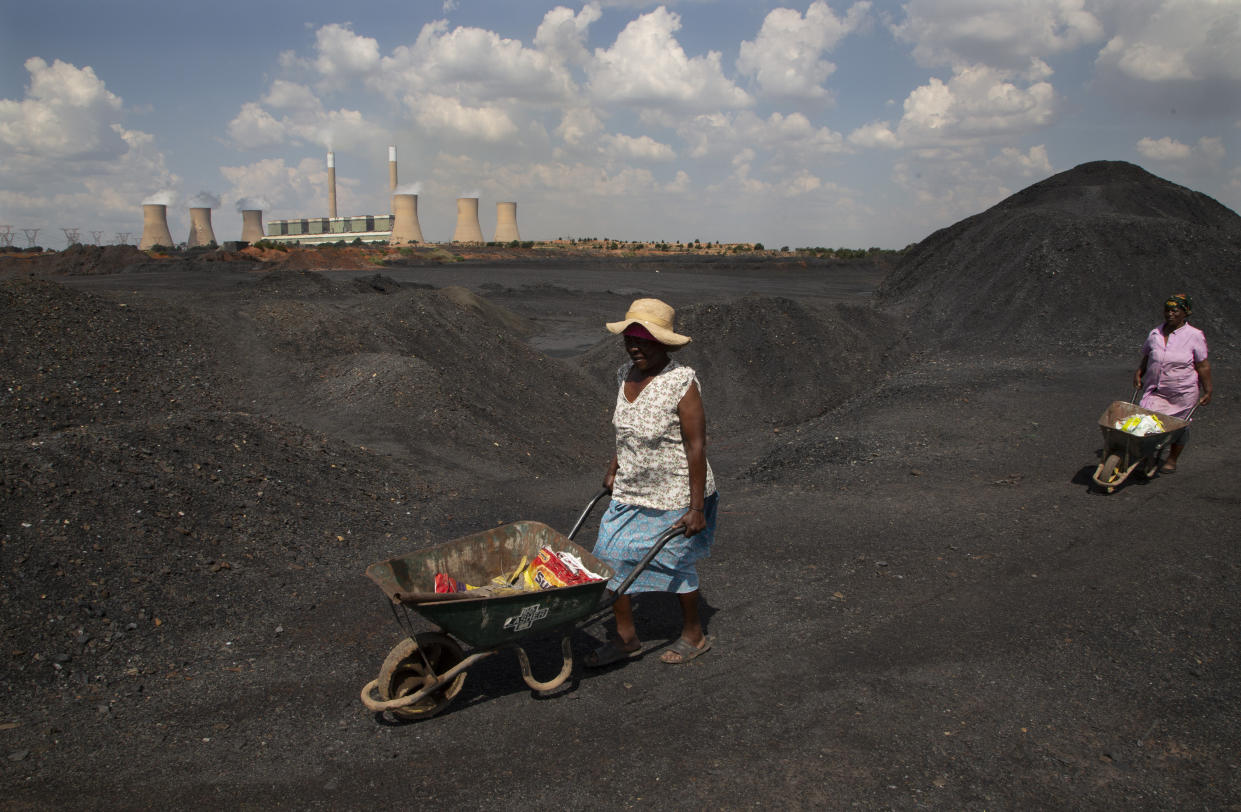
{"x":528,"y":617}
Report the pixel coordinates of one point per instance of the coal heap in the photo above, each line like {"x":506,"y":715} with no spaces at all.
{"x":1077,"y":264}
{"x":770,"y":361}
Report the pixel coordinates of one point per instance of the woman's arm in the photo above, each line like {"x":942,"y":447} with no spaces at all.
{"x":694,"y":437}
{"x":1141,"y":371}
{"x":1204,"y":380}
{"x":610,"y":477}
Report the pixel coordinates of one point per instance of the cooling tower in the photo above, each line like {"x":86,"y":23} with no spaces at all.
{"x":405,"y":228}
{"x":251,"y":225}
{"x":468,"y":229}
{"x":392,"y":170}
{"x":200,"y":228}
{"x":506,"y":222}
{"x":155,"y":227}
{"x":331,"y":184}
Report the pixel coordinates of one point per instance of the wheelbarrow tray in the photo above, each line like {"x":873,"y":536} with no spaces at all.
{"x":487,"y":622}
{"x":1131,"y":446}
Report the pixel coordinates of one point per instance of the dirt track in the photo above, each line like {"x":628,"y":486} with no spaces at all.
{"x":916,"y":599}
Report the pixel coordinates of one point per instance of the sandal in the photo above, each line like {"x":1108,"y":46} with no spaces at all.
{"x":611,"y":652}
{"x":684,"y":651}
{"x":1164,"y":469}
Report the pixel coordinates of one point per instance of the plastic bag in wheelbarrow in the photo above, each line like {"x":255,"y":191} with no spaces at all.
{"x":490,"y":621}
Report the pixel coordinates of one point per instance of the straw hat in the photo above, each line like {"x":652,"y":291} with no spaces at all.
{"x":656,"y":317}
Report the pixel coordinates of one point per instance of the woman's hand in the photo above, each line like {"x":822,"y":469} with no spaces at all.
{"x":693,"y":521}
{"x":1137,"y":379}
{"x":609,"y":479}
{"x":1203,"y":368}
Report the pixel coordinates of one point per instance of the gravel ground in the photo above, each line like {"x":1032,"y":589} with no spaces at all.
{"x":916,"y":598}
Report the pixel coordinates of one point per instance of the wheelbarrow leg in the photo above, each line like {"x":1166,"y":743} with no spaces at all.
{"x":566,"y":650}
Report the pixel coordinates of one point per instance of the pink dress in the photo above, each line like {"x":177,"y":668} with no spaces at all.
{"x":1170,"y":385}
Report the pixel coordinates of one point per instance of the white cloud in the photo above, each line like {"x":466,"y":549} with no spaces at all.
{"x":949,"y":184}
{"x":288,"y":95}
{"x":1003,"y":35}
{"x":1165,"y":40}
{"x":977,"y":102}
{"x":448,"y":115}
{"x":475,"y":66}
{"x":1032,"y":163}
{"x":647,"y":66}
{"x":343,"y":55}
{"x":562,"y":33}
{"x":787,"y":56}
{"x":67,"y":112}
{"x":1208,"y":152}
{"x":875,"y":134}
{"x":68,"y":160}
{"x":793,"y":135}
{"x":1163,"y":149}
{"x":578,"y":124}
{"x":288,"y":191}
{"x":642,"y":148}
{"x":304,"y":120}
{"x":255,"y":128}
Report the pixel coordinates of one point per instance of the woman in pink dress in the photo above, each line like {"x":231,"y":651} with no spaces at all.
{"x":1174,"y":369}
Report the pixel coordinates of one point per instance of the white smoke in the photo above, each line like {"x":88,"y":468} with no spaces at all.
{"x":259,"y":203}
{"x":204,"y":200}
{"x":164,"y":197}
{"x":408,"y":189}
{"x":469,"y":194}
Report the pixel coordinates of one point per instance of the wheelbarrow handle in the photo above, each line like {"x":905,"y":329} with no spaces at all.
{"x":664,"y":538}
{"x":581,"y":519}
{"x":1189,"y":418}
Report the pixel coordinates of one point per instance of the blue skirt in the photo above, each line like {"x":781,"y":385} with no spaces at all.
{"x":627,"y":533}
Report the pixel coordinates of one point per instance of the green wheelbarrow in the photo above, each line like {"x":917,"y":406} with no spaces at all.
{"x":424,"y":672}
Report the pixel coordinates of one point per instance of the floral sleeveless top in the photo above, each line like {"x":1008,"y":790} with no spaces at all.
{"x":654,"y":471}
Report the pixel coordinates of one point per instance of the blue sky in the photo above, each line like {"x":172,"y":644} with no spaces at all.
{"x":813,"y":123}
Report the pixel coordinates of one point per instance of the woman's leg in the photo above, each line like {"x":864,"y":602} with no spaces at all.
{"x":691,"y":626}
{"x":1174,"y":453}
{"x":622,"y":610}
{"x":691,"y":629}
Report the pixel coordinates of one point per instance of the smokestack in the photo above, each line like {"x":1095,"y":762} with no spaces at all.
{"x":405,"y":228}
{"x":392,"y":169}
{"x":468,"y":229}
{"x":506,"y":222}
{"x":155,"y":226}
{"x":331,"y":184}
{"x":251,"y":225}
{"x":200,"y":228}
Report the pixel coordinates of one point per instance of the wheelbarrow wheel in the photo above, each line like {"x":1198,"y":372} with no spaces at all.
{"x":1109,"y":474}
{"x":405,"y":672}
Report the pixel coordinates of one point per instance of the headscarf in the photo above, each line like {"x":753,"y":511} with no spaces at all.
{"x":1180,"y":300}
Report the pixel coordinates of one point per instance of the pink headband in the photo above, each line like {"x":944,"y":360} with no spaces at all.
{"x":638,"y":331}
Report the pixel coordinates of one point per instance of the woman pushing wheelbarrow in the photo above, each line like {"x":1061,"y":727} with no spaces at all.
{"x":1174,"y":369}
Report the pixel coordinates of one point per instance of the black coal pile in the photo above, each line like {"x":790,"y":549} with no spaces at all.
{"x":1078,"y":264}
{"x":167,"y":471}
{"x":769,"y":361}
{"x":429,"y":375}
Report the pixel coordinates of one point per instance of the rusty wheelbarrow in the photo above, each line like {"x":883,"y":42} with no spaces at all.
{"x":424,"y":672}
{"x":1124,"y":452}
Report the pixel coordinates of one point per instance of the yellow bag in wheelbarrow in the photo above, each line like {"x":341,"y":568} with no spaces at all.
{"x":1141,"y":425}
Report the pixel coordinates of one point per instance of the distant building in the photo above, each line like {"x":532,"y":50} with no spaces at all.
{"x":368,"y":228}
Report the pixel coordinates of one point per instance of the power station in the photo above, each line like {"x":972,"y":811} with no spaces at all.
{"x":400,"y":227}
